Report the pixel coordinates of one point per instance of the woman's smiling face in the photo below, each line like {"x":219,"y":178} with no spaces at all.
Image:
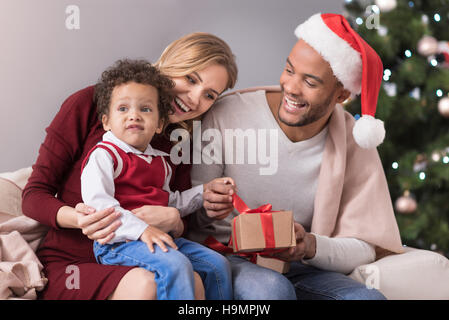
{"x":196,"y":92}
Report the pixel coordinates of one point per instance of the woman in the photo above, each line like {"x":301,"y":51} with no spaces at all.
{"x":202,"y":67}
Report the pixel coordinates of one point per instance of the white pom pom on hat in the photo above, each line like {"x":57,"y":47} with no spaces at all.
{"x":355,"y":64}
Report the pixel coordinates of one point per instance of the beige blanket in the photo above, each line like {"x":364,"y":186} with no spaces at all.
{"x":21,"y":273}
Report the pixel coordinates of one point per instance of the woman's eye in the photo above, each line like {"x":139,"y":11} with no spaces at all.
{"x":210,"y":96}
{"x":190,"y":79}
{"x":289,"y":71}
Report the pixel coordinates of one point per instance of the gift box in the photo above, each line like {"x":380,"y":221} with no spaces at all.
{"x":261,"y":229}
{"x":275,"y":264}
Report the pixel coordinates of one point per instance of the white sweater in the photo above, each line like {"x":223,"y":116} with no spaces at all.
{"x":274,"y":170}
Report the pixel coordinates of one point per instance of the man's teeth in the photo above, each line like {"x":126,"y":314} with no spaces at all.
{"x":294,"y":104}
{"x":182,"y":105}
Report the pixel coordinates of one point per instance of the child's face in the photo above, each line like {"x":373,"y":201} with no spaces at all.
{"x":133,"y":114}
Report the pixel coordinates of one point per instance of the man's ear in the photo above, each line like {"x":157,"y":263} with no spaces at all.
{"x":104,"y":121}
{"x":343,"y":95}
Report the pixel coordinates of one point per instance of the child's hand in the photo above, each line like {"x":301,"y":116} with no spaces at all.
{"x":217,"y":197}
{"x":166,"y":219}
{"x":152,"y":236}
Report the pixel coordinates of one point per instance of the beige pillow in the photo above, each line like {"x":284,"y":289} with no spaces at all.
{"x":414,"y":275}
{"x":10,"y":200}
{"x":11,"y":215}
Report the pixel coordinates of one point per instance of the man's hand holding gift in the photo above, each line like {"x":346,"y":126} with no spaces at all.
{"x":305,"y":246}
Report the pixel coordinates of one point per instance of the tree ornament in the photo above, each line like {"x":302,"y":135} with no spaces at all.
{"x":420,"y":163}
{"x":406,"y":204}
{"x":390,"y":89}
{"x":439,"y":60}
{"x":382,"y":31}
{"x":443,"y":107}
{"x":386,"y":5}
{"x":436,"y":156}
{"x":427,"y":45}
{"x":441,"y":57}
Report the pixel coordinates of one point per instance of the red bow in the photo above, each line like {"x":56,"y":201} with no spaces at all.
{"x":267,"y":226}
{"x":266,"y":219}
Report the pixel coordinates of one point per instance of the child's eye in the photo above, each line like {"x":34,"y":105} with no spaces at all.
{"x":122,"y":108}
{"x":146,"y":109}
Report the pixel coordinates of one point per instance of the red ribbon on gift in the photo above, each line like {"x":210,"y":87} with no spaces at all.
{"x":267,"y":228}
{"x":266,"y":219}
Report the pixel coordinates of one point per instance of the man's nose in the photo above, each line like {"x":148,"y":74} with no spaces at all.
{"x":293,"y":87}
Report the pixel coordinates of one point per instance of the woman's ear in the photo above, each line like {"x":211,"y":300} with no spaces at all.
{"x":104,"y":121}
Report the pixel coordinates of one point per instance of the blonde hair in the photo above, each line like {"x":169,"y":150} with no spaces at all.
{"x":194,"y":52}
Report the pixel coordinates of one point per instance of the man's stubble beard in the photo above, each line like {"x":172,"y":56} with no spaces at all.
{"x":314,"y":113}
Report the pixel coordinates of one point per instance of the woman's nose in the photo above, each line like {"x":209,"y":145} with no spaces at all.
{"x":194,"y":96}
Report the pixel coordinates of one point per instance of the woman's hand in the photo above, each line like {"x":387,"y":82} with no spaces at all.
{"x":167,"y":219}
{"x":217,"y":197}
{"x":99,"y":226}
{"x":152,"y":236}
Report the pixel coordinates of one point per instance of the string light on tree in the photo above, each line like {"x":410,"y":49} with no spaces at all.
{"x":387,"y":74}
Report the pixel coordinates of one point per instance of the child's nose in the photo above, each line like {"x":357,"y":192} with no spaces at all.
{"x":134,"y":115}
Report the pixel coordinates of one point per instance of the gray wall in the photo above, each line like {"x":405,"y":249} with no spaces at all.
{"x":42,"y":62}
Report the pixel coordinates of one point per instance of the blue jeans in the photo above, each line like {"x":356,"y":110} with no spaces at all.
{"x":302,"y":282}
{"x":173,"y":270}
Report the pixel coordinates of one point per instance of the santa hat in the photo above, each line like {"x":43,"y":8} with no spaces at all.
{"x":355,"y":64}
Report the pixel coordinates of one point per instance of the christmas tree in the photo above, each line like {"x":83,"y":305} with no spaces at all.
{"x":411,"y":37}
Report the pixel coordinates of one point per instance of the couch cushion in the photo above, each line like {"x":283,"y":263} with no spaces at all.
{"x":414,"y":275}
{"x":11,"y":186}
{"x":10,"y":200}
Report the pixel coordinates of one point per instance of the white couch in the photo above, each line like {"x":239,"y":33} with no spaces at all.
{"x":413,"y":275}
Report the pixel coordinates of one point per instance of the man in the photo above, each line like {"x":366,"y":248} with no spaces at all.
{"x":329,"y":172}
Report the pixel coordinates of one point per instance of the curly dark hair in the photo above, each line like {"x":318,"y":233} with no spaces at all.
{"x":139,"y":71}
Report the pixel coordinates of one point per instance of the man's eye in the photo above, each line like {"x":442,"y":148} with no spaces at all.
{"x":289,"y":71}
{"x":310,"y":84}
